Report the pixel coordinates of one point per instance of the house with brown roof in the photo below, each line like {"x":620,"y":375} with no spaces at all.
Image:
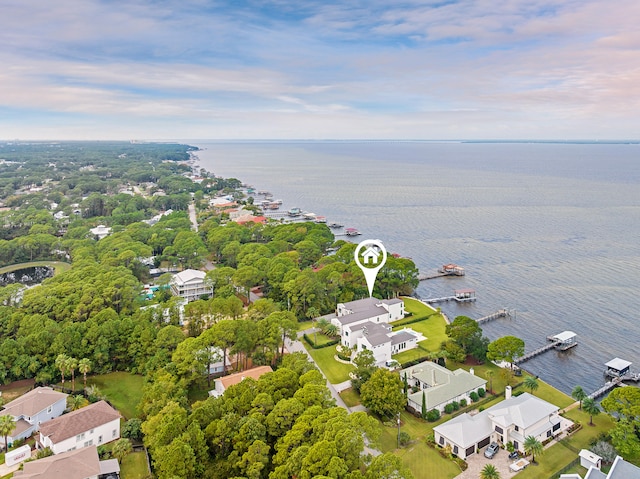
{"x":36,"y":407}
{"x":95,"y":424}
{"x":223,"y":383}
{"x":77,"y":464}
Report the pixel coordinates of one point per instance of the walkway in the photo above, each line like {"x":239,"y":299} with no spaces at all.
{"x":192,"y":216}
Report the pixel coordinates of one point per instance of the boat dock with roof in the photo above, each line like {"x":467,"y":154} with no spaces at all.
{"x":560,"y":342}
{"x":619,"y":371}
{"x":459,"y":295}
{"x":446,"y":270}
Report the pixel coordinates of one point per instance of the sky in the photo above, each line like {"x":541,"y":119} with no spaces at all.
{"x":307,"y":69}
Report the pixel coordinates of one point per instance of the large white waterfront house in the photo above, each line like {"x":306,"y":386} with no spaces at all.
{"x":364,"y":324}
{"x":190,"y":284}
{"x":511,"y":420}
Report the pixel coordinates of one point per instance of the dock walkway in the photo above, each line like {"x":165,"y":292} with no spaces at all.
{"x":503,"y":313}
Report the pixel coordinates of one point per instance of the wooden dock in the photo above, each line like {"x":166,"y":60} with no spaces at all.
{"x":609,"y":385}
{"x":503,"y":313}
{"x":560,"y":342}
{"x":459,"y":295}
{"x":445,"y":270}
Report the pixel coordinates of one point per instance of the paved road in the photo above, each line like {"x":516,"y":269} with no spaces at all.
{"x":296,"y":346}
{"x":192,"y":216}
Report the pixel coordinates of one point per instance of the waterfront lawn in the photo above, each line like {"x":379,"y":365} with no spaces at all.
{"x":350,"y":397}
{"x":433,"y":330}
{"x":134,"y":466}
{"x":411,"y":354}
{"x":123,"y":390}
{"x":335,"y":371}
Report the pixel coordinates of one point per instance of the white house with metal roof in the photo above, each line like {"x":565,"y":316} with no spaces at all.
{"x":190,"y":284}
{"x":439,"y":385}
{"x":511,"y":420}
{"x":620,"y":469}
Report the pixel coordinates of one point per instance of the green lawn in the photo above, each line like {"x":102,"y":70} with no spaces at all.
{"x":426,"y":463}
{"x":350,"y":397}
{"x":58,"y":266}
{"x":302,"y":325}
{"x":134,"y":466}
{"x":334,"y":371}
{"x":319,"y":339}
{"x":433,"y":328}
{"x":123,"y":390}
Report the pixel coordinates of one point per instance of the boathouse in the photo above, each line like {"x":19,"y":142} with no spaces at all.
{"x":564,"y":340}
{"x":617,"y":367}
{"x":465,"y":295}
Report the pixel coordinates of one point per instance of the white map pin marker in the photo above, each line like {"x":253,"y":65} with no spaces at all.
{"x":375,"y":255}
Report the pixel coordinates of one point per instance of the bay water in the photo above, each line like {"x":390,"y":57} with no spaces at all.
{"x":547,"y":230}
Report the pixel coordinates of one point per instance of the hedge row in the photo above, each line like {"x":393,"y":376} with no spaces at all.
{"x":409,"y":320}
{"x":325,"y":345}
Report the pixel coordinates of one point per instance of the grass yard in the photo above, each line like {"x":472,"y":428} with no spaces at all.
{"x":432,"y":328}
{"x":303,"y":325}
{"x":319,"y":338}
{"x":16,"y":389}
{"x":123,"y":390}
{"x":134,"y":466}
{"x":411,"y":354}
{"x":350,"y":397}
{"x":334,"y":371}
{"x":426,"y":463}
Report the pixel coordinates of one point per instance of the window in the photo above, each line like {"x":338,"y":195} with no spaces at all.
{"x":99,"y":439}
{"x":80,"y":437}
{"x":113,"y":434}
{"x":517,"y":429}
{"x":91,"y":432}
{"x":455,"y":449}
{"x":441,"y":441}
{"x":88,"y":443}
{"x":499,"y":430}
{"x":49,"y":409}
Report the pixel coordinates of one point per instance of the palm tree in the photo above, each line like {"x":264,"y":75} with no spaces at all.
{"x":490,"y":375}
{"x":7,"y":425}
{"x":61,"y":364}
{"x":72,"y":364}
{"x":578,"y":394}
{"x":84,"y":366}
{"x":121,"y":448}
{"x":331,"y":330}
{"x":76,"y":402}
{"x":531,"y":383}
{"x":489,"y":471}
{"x":590,"y":406}
{"x":532,"y":446}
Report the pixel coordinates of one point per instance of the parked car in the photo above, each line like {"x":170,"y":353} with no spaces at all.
{"x":491,"y":450}
{"x":514,"y":455}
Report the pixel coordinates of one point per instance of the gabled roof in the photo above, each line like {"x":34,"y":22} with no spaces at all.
{"x":466,"y":430}
{"x":523,"y":411}
{"x":188,"y":275}
{"x":79,"y":464}
{"x":253,"y":373}
{"x":622,"y":469}
{"x":77,"y":422}
{"x":401,"y":336}
{"x":33,"y":402}
{"x":448,"y":385}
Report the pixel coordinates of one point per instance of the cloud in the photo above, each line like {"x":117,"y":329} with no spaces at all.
{"x":360,"y":68}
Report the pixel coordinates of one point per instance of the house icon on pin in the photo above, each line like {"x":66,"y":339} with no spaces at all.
{"x":371,"y":254}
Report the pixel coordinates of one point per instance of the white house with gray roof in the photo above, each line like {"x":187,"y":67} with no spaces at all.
{"x":512,"y":420}
{"x":620,"y":469}
{"x":364,"y":324}
{"x":439,"y":385}
{"x":191,"y":284}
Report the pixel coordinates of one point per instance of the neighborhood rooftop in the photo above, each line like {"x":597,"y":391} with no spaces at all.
{"x":76,"y":422}
{"x":79,"y":464}
{"x":33,"y":402}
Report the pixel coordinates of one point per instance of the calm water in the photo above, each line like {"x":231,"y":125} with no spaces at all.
{"x":550,"y":230}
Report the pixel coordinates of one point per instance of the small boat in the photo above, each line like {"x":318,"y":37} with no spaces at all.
{"x":320,"y":219}
{"x":335,"y":225}
{"x":274,"y":206}
{"x":352,"y":232}
{"x":309,"y":216}
{"x":294,"y":212}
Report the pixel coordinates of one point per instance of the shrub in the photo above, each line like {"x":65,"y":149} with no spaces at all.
{"x":518,"y":393}
{"x":132,"y":429}
{"x":463,"y":402}
{"x":456,"y":405}
{"x":481,"y":408}
{"x":481,"y":392}
{"x":474,"y":396}
{"x":510,"y":447}
{"x":448,"y":408}
{"x":404,"y":438}
{"x":433,"y":415}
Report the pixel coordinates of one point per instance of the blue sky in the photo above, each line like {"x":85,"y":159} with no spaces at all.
{"x":278,"y":69}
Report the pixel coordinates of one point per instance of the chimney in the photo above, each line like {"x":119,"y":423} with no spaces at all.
{"x":472,"y":371}
{"x":507,"y":392}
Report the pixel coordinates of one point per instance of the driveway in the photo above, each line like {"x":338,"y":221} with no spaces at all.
{"x":477,"y":461}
